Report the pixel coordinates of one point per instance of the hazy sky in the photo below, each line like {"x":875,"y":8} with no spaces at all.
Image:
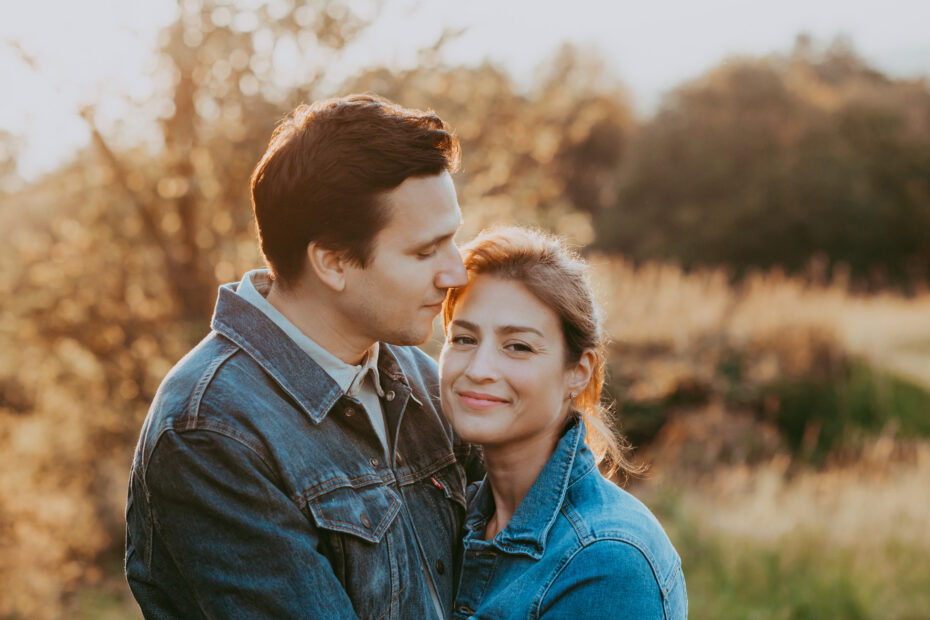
{"x":101,"y":50}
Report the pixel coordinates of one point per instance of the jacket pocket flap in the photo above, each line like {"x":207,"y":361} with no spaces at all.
{"x":366,"y":512}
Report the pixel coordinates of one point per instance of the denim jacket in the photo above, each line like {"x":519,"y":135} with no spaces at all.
{"x":578,"y":546}
{"x":259,"y":489}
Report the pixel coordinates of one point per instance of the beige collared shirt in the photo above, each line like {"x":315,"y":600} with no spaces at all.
{"x":360,"y":382}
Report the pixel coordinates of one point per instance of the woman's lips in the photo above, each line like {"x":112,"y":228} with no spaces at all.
{"x":477,"y":400}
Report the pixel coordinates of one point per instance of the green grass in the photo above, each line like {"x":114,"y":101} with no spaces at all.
{"x":853,"y":400}
{"x":797,"y":577}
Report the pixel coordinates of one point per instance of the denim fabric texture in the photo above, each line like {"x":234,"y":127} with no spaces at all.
{"x":578,"y":546}
{"x":259,"y":489}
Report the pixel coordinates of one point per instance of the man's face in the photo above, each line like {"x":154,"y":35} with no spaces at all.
{"x":414,"y":260}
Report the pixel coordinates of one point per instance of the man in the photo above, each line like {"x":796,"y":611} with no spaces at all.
{"x":295,"y":463}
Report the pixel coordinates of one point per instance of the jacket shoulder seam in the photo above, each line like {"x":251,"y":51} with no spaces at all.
{"x":567,"y":560}
{"x":218,"y":428}
{"x":192,"y":410}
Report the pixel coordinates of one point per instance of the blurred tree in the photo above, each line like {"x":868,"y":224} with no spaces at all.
{"x":9,"y":149}
{"x":547,"y":156}
{"x":770,"y":161}
{"x":113,"y":270}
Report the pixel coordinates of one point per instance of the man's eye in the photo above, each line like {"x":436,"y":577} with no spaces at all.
{"x":519,"y":347}
{"x":462,"y":340}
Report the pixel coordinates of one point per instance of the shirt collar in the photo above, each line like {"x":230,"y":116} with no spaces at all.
{"x":350,"y":377}
{"x":528,"y":529}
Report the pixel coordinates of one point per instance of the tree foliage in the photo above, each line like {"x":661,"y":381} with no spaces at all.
{"x":769,"y":161}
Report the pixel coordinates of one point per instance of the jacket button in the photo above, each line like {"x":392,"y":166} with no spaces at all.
{"x":349,"y":411}
{"x":389,"y":395}
{"x":465,"y":610}
{"x":373,"y":461}
{"x":365,"y":521}
{"x":440,"y":567}
{"x":399,"y":460}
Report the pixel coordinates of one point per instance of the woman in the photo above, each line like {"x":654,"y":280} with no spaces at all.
{"x":522,"y":370}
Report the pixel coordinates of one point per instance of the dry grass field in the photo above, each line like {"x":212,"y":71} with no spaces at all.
{"x":763,"y":531}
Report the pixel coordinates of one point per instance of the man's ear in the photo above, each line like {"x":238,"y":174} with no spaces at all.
{"x":328,"y":265}
{"x":581,"y":373}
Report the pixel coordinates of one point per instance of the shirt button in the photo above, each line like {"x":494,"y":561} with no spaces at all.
{"x":349,"y":411}
{"x":399,"y":460}
{"x":440,"y":567}
{"x":389,"y":395}
{"x":365,"y":521}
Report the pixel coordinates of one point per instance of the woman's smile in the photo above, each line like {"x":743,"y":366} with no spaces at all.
{"x":479,"y":400}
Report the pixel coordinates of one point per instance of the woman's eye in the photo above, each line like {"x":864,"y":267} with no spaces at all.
{"x":462,"y":340}
{"x":427,"y":253}
{"x":519,"y":347}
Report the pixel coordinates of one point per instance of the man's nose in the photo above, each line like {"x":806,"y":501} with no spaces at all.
{"x":452,"y":274}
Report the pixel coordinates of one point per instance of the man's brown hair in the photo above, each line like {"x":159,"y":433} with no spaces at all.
{"x":325,"y":166}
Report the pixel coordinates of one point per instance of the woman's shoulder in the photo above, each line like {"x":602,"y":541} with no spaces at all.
{"x":598,"y":510}
{"x":621,"y":556}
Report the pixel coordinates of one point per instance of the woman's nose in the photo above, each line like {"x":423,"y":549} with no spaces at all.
{"x":481,"y":366}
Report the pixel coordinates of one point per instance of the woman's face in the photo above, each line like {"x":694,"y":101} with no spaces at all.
{"x":502,"y":368}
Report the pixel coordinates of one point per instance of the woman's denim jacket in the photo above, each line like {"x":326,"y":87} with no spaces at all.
{"x":259,"y":489}
{"x":577,"y":547}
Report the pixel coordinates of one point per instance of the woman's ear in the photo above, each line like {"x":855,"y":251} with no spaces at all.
{"x":328,"y":265}
{"x":580,"y":374}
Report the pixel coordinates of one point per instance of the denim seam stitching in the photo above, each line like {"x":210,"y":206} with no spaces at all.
{"x":429,"y":470}
{"x":377,"y":532}
{"x":566,"y":560}
{"x":331,"y":484}
{"x":576,"y":521}
{"x":586,"y":545}
{"x":193,"y":405}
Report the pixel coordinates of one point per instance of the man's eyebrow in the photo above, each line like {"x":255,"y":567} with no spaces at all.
{"x":435,"y":240}
{"x":503,"y":329}
{"x":440,"y":237}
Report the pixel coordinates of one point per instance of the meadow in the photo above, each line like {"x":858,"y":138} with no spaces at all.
{"x":799,"y":488}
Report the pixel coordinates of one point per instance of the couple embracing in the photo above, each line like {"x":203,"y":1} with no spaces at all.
{"x":305,"y":460}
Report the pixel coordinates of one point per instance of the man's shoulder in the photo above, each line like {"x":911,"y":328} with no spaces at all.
{"x":214,"y":380}
{"x":191,"y":375}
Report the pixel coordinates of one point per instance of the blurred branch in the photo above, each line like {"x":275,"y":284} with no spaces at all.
{"x":23,"y":55}
{"x":150,"y":225}
{"x":430,"y":55}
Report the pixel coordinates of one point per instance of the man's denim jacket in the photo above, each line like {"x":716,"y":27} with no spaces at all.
{"x":258,"y":489}
{"x":577,"y":547}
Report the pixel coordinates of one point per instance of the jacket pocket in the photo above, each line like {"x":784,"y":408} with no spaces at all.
{"x":363,"y":512}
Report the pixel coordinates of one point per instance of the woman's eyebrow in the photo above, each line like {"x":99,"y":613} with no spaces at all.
{"x":503,"y":329}
{"x":513,"y":329}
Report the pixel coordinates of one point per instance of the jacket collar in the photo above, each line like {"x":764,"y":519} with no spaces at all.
{"x":279,"y":356}
{"x":528,"y":529}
